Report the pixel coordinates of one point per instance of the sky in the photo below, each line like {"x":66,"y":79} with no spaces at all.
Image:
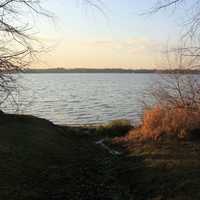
{"x":118,"y":36}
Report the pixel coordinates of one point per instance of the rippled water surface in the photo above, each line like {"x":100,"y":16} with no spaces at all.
{"x":83,"y":98}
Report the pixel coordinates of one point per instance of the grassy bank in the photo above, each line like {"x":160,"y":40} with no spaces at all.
{"x":39,"y":160}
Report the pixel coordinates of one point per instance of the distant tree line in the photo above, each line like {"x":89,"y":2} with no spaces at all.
{"x":110,"y":70}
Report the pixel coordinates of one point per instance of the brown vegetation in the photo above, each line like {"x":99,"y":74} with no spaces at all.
{"x":161,"y":122}
{"x":174,"y":114}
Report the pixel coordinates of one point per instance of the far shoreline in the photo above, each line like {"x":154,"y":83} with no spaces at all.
{"x":110,"y":70}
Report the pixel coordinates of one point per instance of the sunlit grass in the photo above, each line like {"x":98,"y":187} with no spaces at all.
{"x":166,"y":122}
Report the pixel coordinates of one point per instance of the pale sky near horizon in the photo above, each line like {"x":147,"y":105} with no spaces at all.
{"x":81,"y":36}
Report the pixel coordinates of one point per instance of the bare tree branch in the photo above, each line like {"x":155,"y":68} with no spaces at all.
{"x":16,"y":43}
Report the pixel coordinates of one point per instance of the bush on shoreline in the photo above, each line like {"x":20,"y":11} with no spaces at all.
{"x":162,"y":122}
{"x":173,"y":112}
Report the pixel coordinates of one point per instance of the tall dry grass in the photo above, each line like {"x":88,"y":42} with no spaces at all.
{"x":164,"y":123}
{"x":175,"y":112}
{"x":161,"y":122}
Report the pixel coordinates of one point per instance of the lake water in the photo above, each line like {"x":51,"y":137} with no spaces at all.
{"x":82,"y":98}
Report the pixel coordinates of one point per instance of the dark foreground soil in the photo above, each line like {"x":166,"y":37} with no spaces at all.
{"x":39,"y":160}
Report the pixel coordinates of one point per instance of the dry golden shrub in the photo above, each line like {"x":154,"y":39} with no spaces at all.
{"x":163,"y":121}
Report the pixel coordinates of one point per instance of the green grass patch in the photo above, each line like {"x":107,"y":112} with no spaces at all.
{"x":114,"y":128}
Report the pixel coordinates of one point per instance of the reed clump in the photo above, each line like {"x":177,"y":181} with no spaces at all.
{"x":159,"y":122}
